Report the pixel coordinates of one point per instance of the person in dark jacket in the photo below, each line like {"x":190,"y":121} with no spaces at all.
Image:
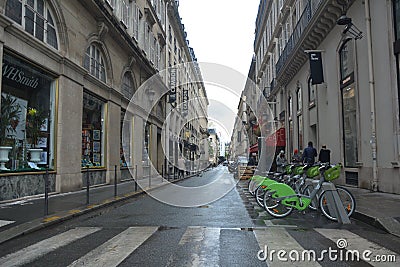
{"x":309,"y":154}
{"x":324,"y":155}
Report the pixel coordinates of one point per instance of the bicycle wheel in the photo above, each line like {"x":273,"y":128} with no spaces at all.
{"x":314,"y":202}
{"x":347,"y":199}
{"x":274,"y":207}
{"x":259,"y":195}
{"x":252,"y":186}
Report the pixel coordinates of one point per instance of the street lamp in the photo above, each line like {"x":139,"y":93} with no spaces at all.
{"x":350,"y":28}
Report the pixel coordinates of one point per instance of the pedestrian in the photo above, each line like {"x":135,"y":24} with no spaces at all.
{"x":181,"y":167}
{"x":309,"y":154}
{"x":281,"y":161}
{"x":324,"y":155}
{"x":296,"y":158}
{"x":251,"y":161}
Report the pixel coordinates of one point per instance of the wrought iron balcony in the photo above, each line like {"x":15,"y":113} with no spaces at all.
{"x":317,"y":20}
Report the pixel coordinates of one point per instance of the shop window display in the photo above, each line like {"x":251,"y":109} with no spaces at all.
{"x":27,"y":117}
{"x":92,"y":131}
{"x":126,"y":137}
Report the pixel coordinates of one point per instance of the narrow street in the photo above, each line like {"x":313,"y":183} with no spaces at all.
{"x":228,"y":232}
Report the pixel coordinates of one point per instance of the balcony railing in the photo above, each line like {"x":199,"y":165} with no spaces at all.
{"x":308,"y":13}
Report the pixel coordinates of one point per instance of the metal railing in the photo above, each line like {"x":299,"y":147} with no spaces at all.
{"x":308,"y":13}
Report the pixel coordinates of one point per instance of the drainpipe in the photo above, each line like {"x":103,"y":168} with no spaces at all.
{"x":371,"y":82}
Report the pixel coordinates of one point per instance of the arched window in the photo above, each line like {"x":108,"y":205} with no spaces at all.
{"x":35,"y":17}
{"x":349,"y":104}
{"x":94,"y":62}
{"x":128,"y":85}
{"x":299,"y":99}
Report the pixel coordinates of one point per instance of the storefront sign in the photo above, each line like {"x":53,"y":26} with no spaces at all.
{"x":317,"y":73}
{"x":172,"y":85}
{"x":185,"y":101}
{"x":20,"y":74}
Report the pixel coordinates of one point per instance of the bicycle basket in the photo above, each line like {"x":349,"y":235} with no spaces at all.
{"x":298,"y":170}
{"x":313,"y":171}
{"x":288,"y":169}
{"x":332,"y":173}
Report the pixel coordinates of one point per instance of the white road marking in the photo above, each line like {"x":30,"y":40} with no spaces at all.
{"x":273,"y":240}
{"x":43,"y":247}
{"x":3,"y":223}
{"x":115,"y":250}
{"x":204,"y":246}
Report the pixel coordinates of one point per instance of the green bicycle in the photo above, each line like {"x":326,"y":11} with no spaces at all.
{"x":280,"y":199}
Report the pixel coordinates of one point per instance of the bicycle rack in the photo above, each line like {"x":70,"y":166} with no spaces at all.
{"x":337,"y":209}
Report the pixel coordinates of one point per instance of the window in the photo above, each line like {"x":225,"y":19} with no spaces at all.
{"x":311,"y":93}
{"x":136,"y":21}
{"x":346,"y":60}
{"x":126,"y":137}
{"x":299,"y":99}
{"x":146,"y":144}
{"x":290,"y":107}
{"x":396,"y":22}
{"x":396,"y":10}
{"x":127,"y":85}
{"x":94,"y":62}
{"x":124,"y":12}
{"x":27,"y":118}
{"x":111,"y":3}
{"x":92,"y":131}
{"x":300,"y":131}
{"x":36,"y":18}
{"x":349,"y":104}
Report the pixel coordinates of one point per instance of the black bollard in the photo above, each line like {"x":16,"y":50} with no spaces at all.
{"x":135,"y":178}
{"x":115,"y":180}
{"x":87,"y":184}
{"x":46,"y":191}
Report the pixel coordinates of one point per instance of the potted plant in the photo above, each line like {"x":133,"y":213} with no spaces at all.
{"x":9,"y":119}
{"x":35,"y":119}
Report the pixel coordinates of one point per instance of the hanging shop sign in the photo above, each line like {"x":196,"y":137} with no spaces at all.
{"x":317,"y":73}
{"x":185,"y":101}
{"x":172,"y":85}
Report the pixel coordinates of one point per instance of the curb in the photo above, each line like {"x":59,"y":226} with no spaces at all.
{"x":388,"y":225}
{"x":41,"y":223}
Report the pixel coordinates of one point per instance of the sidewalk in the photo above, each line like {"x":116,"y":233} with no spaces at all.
{"x":27,"y":215}
{"x":381,"y":210}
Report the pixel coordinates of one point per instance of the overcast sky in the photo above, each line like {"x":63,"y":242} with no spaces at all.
{"x":221,"y":31}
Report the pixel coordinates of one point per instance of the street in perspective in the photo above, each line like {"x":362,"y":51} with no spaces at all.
{"x":200,"y":133}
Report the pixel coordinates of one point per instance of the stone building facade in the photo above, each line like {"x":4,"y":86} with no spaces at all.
{"x":75,"y":66}
{"x":355,"y":109}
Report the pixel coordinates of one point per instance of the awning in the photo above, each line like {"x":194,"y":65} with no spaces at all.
{"x":278,"y":138}
{"x":254,"y":148}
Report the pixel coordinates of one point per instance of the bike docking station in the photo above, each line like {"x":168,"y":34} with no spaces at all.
{"x":335,"y":205}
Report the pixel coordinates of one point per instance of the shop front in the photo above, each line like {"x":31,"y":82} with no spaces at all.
{"x":27,"y":131}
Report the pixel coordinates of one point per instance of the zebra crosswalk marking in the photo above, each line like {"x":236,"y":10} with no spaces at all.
{"x":277,"y":239}
{"x":114,"y":251}
{"x":4,"y":223}
{"x":43,"y":247}
{"x":204,"y":246}
{"x":355,"y":242}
